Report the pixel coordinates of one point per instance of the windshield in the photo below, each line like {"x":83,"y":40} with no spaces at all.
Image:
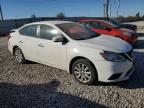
{"x":114,"y":21}
{"x":77,"y":31}
{"x":112,"y":24}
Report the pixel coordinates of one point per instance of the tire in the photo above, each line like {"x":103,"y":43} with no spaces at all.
{"x":19,"y":56}
{"x":84,"y":72}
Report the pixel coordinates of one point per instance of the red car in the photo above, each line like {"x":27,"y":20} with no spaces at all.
{"x":107,"y":28}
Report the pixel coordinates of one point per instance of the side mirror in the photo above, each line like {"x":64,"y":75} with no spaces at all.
{"x":58,"y":39}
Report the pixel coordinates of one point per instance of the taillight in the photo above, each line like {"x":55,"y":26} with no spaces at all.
{"x":9,"y":37}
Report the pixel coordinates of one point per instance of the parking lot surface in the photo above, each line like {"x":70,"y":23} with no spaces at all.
{"x":34,"y":85}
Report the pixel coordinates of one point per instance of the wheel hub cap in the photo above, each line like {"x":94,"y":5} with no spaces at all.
{"x":82,"y":72}
{"x":18,"y":55}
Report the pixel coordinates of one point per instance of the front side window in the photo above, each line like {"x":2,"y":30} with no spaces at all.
{"x":30,"y":30}
{"x":114,"y":21}
{"x":112,"y":24}
{"x":48,"y":32}
{"x":97,"y":25}
{"x":93,"y":25}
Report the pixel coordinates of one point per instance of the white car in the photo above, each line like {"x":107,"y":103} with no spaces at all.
{"x":69,"y":46}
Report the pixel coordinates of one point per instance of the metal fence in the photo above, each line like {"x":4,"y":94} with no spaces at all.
{"x":7,"y":25}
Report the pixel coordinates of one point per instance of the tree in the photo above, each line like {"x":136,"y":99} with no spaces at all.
{"x":131,"y":17}
{"x":60,"y":15}
{"x":1,"y":13}
{"x":138,"y":14}
{"x":33,"y":16}
{"x":118,"y":7}
{"x":120,"y":16}
{"x":107,"y":8}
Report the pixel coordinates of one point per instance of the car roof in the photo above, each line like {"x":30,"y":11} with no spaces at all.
{"x":97,"y":20}
{"x":51,"y":22}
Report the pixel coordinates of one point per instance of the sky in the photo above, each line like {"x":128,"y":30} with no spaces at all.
{"x":14,"y":9}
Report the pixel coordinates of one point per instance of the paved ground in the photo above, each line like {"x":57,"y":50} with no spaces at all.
{"x":34,"y":85}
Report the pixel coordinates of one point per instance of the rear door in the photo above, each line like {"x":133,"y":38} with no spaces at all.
{"x":28,"y":41}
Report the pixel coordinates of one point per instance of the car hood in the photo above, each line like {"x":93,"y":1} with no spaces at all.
{"x":107,"y":43}
{"x":128,"y":26}
{"x":126,"y":30}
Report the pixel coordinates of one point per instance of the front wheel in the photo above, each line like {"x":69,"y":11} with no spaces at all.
{"x":84,"y":72}
{"x":19,"y":55}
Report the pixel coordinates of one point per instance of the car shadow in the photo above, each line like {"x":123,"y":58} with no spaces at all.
{"x":137,"y":79}
{"x":31,"y":62}
{"x":40,"y":96}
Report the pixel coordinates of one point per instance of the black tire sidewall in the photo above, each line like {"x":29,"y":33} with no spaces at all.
{"x":91,"y":67}
{"x":23,"y":58}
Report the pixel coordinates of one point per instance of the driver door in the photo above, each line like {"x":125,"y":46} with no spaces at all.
{"x":49,"y":52}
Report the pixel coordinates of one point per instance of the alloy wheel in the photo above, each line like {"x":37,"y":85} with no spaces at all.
{"x":82,"y":72}
{"x":18,"y":55}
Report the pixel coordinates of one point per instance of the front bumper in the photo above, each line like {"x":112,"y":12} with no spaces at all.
{"x":124,"y":76}
{"x":10,"y":47}
{"x":107,"y":69}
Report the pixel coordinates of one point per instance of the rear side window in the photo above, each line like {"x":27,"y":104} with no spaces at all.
{"x":30,"y":30}
{"x":48,"y":32}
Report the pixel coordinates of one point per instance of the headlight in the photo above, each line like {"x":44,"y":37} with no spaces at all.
{"x":111,"y":56}
{"x":127,"y":34}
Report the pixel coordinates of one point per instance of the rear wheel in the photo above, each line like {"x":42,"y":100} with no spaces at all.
{"x":19,"y":55}
{"x":84,"y":72}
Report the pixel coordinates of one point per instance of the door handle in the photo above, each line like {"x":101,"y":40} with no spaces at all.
{"x":21,"y":41}
{"x":40,"y":45}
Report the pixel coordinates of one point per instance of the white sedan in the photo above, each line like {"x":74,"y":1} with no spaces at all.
{"x":90,"y":57}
